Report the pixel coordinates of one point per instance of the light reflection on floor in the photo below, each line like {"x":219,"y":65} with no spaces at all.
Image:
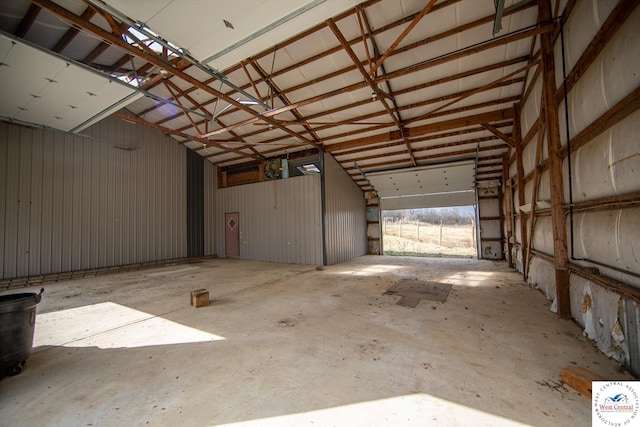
{"x":418,"y":409}
{"x":110,"y":325}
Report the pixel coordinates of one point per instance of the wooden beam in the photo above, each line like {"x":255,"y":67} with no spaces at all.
{"x":72,"y":32}
{"x":380,"y":95}
{"x":622,"y":109}
{"x":517,"y":138}
{"x":499,"y":134}
{"x":401,"y":37}
{"x":507,"y":206}
{"x":579,"y":379}
{"x":481,"y":89}
{"x":27,"y":20}
{"x":425,"y":129}
{"x":560,"y":252}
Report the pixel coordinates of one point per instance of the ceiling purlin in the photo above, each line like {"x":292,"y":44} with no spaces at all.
{"x":439,"y":156}
{"x":27,"y":20}
{"x":476,"y":119}
{"x":417,"y":150}
{"x":381,"y":95}
{"x":431,"y":137}
{"x":275,"y":90}
{"x":72,"y":32}
{"x":155,"y":60}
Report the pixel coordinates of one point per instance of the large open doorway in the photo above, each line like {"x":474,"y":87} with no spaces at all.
{"x":441,"y":232}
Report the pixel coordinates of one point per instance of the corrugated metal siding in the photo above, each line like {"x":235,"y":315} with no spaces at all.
{"x":210,"y":188}
{"x":280,"y":221}
{"x":345,"y":215}
{"x":72,"y":203}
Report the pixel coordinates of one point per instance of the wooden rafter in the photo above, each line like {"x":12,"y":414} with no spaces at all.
{"x":425,"y":129}
{"x":401,"y":37}
{"x":488,"y":86}
{"x":72,"y":32}
{"x":28,"y":20}
{"x":380,"y":95}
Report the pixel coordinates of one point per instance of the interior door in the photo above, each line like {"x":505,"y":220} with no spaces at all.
{"x":232,"y":234}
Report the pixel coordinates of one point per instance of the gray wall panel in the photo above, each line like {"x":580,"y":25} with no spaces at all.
{"x":279,"y":220}
{"x":345,"y":212}
{"x":72,"y":202}
{"x":210,"y":188}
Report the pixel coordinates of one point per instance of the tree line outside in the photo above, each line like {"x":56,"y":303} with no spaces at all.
{"x":448,"y":232}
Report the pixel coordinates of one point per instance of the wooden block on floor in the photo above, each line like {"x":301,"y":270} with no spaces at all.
{"x":199,"y":298}
{"x":579,"y":379}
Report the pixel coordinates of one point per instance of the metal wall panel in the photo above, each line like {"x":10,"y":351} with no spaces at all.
{"x":210,"y":188}
{"x":280,"y":220}
{"x":345,"y":215}
{"x":77,"y":202}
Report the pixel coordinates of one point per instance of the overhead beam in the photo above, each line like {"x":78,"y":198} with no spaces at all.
{"x":380,"y":95}
{"x":401,"y":37}
{"x":476,"y":119}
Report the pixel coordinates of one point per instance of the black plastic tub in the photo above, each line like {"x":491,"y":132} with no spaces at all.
{"x":17,"y":323}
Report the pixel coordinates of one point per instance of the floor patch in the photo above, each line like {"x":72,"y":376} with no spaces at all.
{"x":412,"y":291}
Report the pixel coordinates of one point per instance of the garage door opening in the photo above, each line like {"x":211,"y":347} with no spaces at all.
{"x":430,"y":232}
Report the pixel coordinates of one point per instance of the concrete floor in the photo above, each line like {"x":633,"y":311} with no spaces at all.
{"x":289,"y":345}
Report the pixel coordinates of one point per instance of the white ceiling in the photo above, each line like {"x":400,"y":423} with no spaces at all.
{"x":41,"y":88}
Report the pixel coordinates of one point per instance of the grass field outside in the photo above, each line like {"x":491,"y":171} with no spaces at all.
{"x":415,"y":238}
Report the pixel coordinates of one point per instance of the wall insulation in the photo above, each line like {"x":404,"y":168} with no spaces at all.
{"x":280,"y":220}
{"x":345,"y":215}
{"x":67,"y":202}
{"x":602,"y":236}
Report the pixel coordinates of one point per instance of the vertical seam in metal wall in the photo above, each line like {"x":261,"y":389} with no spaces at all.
{"x":323,"y":207}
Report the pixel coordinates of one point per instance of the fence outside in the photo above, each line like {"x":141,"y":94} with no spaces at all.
{"x":420,"y":238}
